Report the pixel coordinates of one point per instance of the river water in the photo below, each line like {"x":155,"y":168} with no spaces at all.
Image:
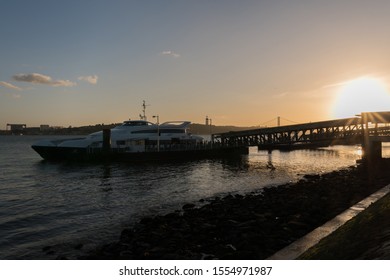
{"x":47,"y":209}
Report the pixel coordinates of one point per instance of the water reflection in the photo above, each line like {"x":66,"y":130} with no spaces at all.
{"x":386,"y":150}
{"x":359,"y":152}
{"x":269,"y":163}
{"x":106,"y":178}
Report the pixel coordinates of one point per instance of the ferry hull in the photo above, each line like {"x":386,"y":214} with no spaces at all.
{"x":60,"y":153}
{"x":82,"y":154}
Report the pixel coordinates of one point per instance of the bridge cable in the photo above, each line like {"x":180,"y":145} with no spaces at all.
{"x":274,"y":119}
{"x":289,"y":120}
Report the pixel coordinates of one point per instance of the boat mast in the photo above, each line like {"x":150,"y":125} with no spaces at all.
{"x":143,"y":116}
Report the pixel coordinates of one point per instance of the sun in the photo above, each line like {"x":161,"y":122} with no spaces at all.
{"x":365,"y":94}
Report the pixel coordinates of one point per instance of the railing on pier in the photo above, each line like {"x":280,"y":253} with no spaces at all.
{"x":357,"y":130}
{"x":293,"y":134}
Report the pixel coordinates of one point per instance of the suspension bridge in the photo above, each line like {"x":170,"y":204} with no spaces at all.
{"x":368,"y":129}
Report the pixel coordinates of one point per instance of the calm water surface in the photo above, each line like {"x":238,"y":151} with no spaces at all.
{"x":62,"y":205}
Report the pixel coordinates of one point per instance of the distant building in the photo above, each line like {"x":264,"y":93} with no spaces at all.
{"x":208,"y":121}
{"x":44,"y":127}
{"x":16,"y":128}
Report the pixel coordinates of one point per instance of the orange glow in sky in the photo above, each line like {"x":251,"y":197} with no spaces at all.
{"x":365,"y":94}
{"x":73,"y":63}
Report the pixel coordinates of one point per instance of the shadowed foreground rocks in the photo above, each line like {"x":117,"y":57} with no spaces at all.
{"x":253,"y":226}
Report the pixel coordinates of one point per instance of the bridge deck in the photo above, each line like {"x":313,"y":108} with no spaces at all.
{"x":340,"y":131}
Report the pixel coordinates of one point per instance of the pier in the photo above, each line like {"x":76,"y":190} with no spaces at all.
{"x":368,"y":129}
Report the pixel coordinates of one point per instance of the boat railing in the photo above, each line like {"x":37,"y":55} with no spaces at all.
{"x":178,"y":147}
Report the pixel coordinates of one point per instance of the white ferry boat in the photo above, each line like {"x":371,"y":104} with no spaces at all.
{"x":134,"y":140}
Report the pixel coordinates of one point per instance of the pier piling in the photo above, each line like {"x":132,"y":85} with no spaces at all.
{"x":106,"y":140}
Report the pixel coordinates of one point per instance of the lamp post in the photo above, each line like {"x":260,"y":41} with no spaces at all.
{"x":158,"y":132}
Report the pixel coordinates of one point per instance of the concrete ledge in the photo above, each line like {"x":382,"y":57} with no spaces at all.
{"x":297,"y":248}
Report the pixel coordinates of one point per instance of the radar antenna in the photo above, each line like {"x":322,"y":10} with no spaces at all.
{"x":143,"y":115}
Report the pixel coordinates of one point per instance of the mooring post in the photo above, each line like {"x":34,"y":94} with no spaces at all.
{"x":375,"y":150}
{"x":365,"y":136}
{"x":372,"y":145}
{"x":106,"y":140}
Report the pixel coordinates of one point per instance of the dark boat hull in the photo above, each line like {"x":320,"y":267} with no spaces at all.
{"x":81,"y":154}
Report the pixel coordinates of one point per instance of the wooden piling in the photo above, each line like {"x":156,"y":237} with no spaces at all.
{"x":106,"y":140}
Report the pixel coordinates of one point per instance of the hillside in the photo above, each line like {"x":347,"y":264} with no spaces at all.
{"x":207,"y":129}
{"x":200,"y":129}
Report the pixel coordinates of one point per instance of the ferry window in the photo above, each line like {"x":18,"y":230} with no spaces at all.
{"x":135,"y":123}
{"x":162,"y":130}
{"x":172,"y":130}
{"x":145,"y":131}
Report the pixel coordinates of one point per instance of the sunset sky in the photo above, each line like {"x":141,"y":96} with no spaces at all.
{"x":72,"y":63}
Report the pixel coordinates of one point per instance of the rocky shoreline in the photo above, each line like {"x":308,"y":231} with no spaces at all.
{"x":252,"y":226}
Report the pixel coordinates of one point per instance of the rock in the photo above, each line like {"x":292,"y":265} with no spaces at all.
{"x":46,"y":248}
{"x":146,"y":220}
{"x":126,"y":254}
{"x":312,"y":176}
{"x":188,"y":206}
{"x":127,"y":234}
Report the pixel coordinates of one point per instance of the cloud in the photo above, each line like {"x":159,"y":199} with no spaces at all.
{"x":89,"y":79}
{"x":36,"y":78}
{"x":171,"y":53}
{"x":13,"y":95}
{"x":16,"y":96}
{"x":334,"y":85}
{"x":63,"y":83}
{"x":8,"y":85}
{"x":281,"y":95}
